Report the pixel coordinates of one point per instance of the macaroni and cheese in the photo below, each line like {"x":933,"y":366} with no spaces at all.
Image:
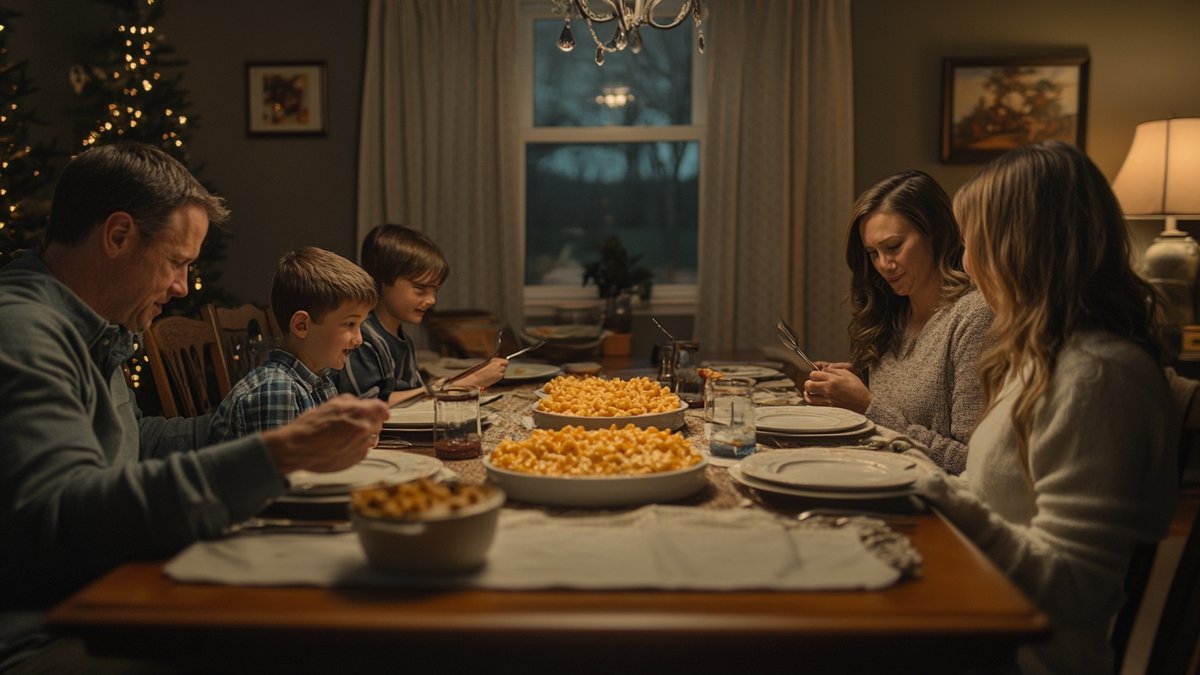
{"x":594,"y":397}
{"x":575,"y":451}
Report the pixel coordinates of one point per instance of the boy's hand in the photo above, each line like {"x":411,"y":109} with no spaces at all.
{"x":330,"y":437}
{"x":486,"y":376}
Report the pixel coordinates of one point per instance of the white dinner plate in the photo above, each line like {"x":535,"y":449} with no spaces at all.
{"x":806,"y":419}
{"x":852,"y":469}
{"x":866,"y":428}
{"x":746,"y":370}
{"x":522,"y":372}
{"x":735,"y":472}
{"x":599,"y":491}
{"x":671,"y":419}
{"x":377,"y":467}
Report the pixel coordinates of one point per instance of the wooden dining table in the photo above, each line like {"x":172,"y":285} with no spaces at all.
{"x":959,"y":612}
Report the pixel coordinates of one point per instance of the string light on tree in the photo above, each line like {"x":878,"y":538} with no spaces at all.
{"x":26,"y":171}
{"x":130,"y":89}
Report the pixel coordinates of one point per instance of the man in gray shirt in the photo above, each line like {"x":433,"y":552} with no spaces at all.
{"x":86,"y":482}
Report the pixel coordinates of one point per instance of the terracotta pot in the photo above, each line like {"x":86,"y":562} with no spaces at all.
{"x":618,"y":344}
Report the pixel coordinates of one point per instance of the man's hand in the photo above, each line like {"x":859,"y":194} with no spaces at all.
{"x":330,"y":437}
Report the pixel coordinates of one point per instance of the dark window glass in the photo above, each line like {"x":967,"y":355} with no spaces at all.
{"x":646,"y":193}
{"x":570,"y":90}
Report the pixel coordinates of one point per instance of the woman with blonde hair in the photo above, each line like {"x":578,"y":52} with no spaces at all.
{"x":1074,"y":459}
{"x":918,"y":325}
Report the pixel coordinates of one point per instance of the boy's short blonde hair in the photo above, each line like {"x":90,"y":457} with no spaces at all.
{"x":317,"y":281}
{"x":392,"y":252}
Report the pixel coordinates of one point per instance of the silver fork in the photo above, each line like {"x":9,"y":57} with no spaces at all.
{"x":789,"y":339}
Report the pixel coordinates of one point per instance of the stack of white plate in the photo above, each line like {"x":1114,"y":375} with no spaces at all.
{"x":828,"y":473}
{"x":804,"y":421}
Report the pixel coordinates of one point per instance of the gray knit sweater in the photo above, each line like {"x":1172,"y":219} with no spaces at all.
{"x":931,"y":392}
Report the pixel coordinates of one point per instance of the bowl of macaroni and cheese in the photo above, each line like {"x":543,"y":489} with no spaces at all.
{"x":425,"y":527}
{"x":599,"y":468}
{"x":595,"y":403}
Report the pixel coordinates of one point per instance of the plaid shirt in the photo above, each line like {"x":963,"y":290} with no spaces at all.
{"x":270,"y":396}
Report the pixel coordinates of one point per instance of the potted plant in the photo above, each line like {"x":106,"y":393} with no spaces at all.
{"x":618,"y":275}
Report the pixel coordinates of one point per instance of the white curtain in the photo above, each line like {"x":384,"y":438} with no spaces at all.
{"x":777,"y":174}
{"x":438,"y":147}
{"x":439,"y":151}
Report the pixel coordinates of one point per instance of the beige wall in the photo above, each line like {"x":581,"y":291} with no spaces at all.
{"x":1145,"y":64}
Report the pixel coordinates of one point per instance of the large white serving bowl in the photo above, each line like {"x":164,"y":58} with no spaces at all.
{"x":449,"y":544}
{"x":671,"y":419}
{"x":599,"y":491}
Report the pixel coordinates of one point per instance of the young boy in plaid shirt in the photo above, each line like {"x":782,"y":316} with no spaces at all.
{"x":320,"y":300}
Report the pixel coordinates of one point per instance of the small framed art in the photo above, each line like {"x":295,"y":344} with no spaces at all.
{"x":285,"y":99}
{"x":992,"y":105}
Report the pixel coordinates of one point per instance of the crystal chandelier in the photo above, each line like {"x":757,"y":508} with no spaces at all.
{"x":630,"y":16}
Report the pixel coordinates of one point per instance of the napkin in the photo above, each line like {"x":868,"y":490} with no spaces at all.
{"x":655,"y":547}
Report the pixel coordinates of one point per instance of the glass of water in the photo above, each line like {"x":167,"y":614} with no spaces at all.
{"x":732,"y":432}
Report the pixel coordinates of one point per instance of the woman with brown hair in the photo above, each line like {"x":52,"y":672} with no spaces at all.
{"x":1074,"y":459}
{"x":918,"y":325}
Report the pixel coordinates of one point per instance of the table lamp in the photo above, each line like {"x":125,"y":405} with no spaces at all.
{"x":1161,"y":179}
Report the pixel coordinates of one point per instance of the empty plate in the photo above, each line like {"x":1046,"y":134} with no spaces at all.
{"x":832,"y":469}
{"x":735,"y":472}
{"x":377,"y":467}
{"x":807,"y":419}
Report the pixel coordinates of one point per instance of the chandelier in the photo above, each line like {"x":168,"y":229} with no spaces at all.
{"x":630,"y":15}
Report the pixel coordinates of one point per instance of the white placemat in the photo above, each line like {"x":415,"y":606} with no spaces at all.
{"x":655,"y":547}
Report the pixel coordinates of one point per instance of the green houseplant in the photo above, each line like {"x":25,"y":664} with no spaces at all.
{"x":617,"y":276}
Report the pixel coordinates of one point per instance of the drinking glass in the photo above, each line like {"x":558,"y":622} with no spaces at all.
{"x":666,"y":365}
{"x":457,"y":430}
{"x":732,"y":432}
{"x":689,"y":384}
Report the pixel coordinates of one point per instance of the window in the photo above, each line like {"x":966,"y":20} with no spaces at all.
{"x":609,"y":150}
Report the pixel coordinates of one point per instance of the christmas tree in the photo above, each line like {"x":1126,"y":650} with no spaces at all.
{"x":26,"y":167}
{"x":132,"y":91}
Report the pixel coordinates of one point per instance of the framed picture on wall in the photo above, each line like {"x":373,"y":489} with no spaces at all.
{"x":285,"y":99}
{"x":990,"y":106}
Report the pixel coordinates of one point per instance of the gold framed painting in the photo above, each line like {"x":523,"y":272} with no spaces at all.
{"x":285,"y":99}
{"x":992,"y":105}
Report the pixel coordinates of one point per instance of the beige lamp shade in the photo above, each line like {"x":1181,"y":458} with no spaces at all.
{"x":1161,"y":174}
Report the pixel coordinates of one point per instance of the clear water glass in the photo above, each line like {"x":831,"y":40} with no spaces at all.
{"x":731,"y":432}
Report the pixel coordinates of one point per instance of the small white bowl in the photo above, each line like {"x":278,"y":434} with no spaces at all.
{"x":455,"y":543}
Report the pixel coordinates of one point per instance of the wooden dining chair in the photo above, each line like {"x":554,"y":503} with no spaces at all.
{"x":1175,"y":642}
{"x":187,"y":364}
{"x":246,"y":335}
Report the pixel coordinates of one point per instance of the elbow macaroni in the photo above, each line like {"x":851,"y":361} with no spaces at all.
{"x":420,"y":498}
{"x":575,"y":451}
{"x":594,"y":397}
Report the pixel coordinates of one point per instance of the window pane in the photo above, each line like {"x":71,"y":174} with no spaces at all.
{"x":579,"y":193}
{"x":567,"y":84}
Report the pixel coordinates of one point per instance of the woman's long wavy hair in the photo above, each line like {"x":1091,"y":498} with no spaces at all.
{"x":1047,"y":245}
{"x":879,"y":315}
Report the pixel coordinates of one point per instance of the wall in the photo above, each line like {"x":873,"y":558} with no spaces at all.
{"x":284,"y":192}
{"x":1145,"y":64}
